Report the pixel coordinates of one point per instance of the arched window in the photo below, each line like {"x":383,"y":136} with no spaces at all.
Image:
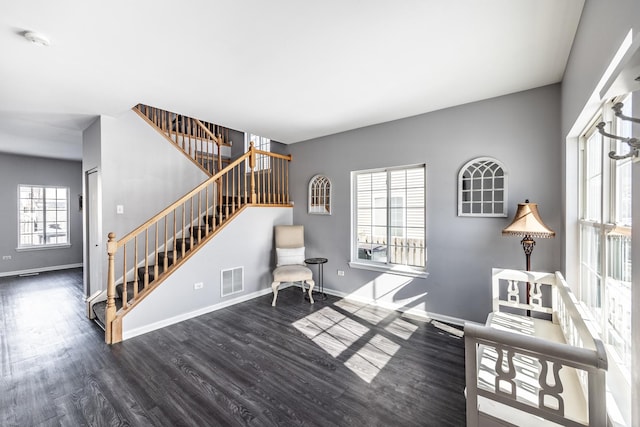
{"x":320,"y":195}
{"x":482,"y":188}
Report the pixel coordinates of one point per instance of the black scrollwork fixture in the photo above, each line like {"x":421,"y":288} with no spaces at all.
{"x":633,"y":143}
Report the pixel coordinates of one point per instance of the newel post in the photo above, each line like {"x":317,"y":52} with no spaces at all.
{"x":110,"y":313}
{"x":252,"y":165}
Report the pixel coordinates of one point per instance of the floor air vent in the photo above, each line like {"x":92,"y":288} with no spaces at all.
{"x":232,"y":281}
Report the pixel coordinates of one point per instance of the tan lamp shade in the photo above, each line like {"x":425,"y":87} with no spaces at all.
{"x":527,"y":222}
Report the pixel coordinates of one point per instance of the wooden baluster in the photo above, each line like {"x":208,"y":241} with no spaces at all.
{"x":180,"y":127}
{"x":213,"y":205}
{"x":146,"y":259}
{"x":262,"y":195}
{"x":246,"y":200}
{"x":124,"y":277}
{"x":252,"y":164}
{"x":240,"y":201}
{"x":135,"y":267}
{"x":287,"y":179}
{"x":188,"y":136}
{"x":193,"y":142}
{"x":110,"y":313}
{"x":283,"y":164}
{"x":191,"y":226}
{"x":155,"y":256}
{"x":175,"y":236}
{"x":219,"y":158}
{"x":226,"y":195}
{"x":233,"y":191}
{"x":184,"y":210}
{"x":277,"y":180}
{"x":206,"y":211}
{"x":199,"y":216}
{"x":165,"y":265}
{"x":268,"y":178}
{"x":196,"y":144}
{"x":274,"y":178}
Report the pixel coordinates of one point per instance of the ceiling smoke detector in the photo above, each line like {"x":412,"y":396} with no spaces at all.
{"x":37,"y":38}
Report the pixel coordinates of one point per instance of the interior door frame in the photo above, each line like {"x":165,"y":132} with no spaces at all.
{"x":93,"y":232}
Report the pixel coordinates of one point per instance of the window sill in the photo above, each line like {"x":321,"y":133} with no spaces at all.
{"x":395,"y":269}
{"x":42,"y":248}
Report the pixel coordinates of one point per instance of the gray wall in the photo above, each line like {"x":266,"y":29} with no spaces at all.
{"x":247,"y":242}
{"x":16,"y":170}
{"x":521,"y":130}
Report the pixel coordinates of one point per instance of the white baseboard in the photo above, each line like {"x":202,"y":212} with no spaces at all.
{"x":185,"y":316}
{"x":416,"y":313}
{"x":39,"y":270}
{"x":409,"y":311}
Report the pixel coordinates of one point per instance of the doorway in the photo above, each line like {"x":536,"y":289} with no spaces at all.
{"x":94,"y":247}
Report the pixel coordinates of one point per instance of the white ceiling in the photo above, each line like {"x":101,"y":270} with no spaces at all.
{"x":290,"y":70}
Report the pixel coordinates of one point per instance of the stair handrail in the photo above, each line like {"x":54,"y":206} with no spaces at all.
{"x":192,"y":136}
{"x":263,"y":189}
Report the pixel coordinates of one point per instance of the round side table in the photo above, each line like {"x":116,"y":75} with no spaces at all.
{"x":320,"y":262}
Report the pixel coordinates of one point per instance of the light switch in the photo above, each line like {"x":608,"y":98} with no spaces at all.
{"x":119,"y":209}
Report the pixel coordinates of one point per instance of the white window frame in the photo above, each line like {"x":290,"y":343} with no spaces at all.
{"x":601,"y":224}
{"x":261,"y":143}
{"x":46,"y":225}
{"x":386,"y":265}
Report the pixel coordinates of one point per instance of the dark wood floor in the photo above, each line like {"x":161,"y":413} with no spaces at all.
{"x":330,"y":364}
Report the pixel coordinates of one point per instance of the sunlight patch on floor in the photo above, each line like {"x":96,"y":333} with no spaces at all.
{"x":372,"y":357}
{"x":336,"y":333}
{"x":332,"y":331}
{"x":401,"y":328}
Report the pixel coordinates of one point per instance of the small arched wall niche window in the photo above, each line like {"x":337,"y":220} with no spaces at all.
{"x":320,"y":195}
{"x":482,"y":188}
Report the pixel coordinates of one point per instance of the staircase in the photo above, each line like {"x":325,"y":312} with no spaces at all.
{"x":208,"y":145}
{"x":146,"y":274}
{"x":140,"y":261}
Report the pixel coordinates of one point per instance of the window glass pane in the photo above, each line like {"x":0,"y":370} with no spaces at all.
{"x":392,"y":203}
{"x":43,"y":216}
{"x":593,"y":178}
{"x":605,"y":236}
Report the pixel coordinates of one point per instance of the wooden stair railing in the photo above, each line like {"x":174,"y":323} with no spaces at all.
{"x":201,"y":141}
{"x":141,"y":260}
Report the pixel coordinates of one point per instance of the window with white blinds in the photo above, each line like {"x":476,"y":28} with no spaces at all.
{"x":389,"y":217}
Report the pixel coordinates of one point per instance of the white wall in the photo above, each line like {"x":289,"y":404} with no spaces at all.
{"x":602,"y":30}
{"x":138,"y":168}
{"x":521,"y":130}
{"x":247,"y":241}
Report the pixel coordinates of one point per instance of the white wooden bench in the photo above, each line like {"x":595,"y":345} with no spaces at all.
{"x":545,"y":369}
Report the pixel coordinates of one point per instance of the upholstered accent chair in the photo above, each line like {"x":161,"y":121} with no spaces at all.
{"x":290,"y":267}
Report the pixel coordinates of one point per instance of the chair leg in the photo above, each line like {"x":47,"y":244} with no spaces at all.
{"x":274,"y":286}
{"x":311,"y":285}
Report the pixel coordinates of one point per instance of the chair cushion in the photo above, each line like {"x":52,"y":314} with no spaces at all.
{"x":290,"y":256}
{"x":292,"y":273}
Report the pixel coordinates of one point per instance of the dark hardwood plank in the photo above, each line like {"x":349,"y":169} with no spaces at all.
{"x":334,"y":363}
